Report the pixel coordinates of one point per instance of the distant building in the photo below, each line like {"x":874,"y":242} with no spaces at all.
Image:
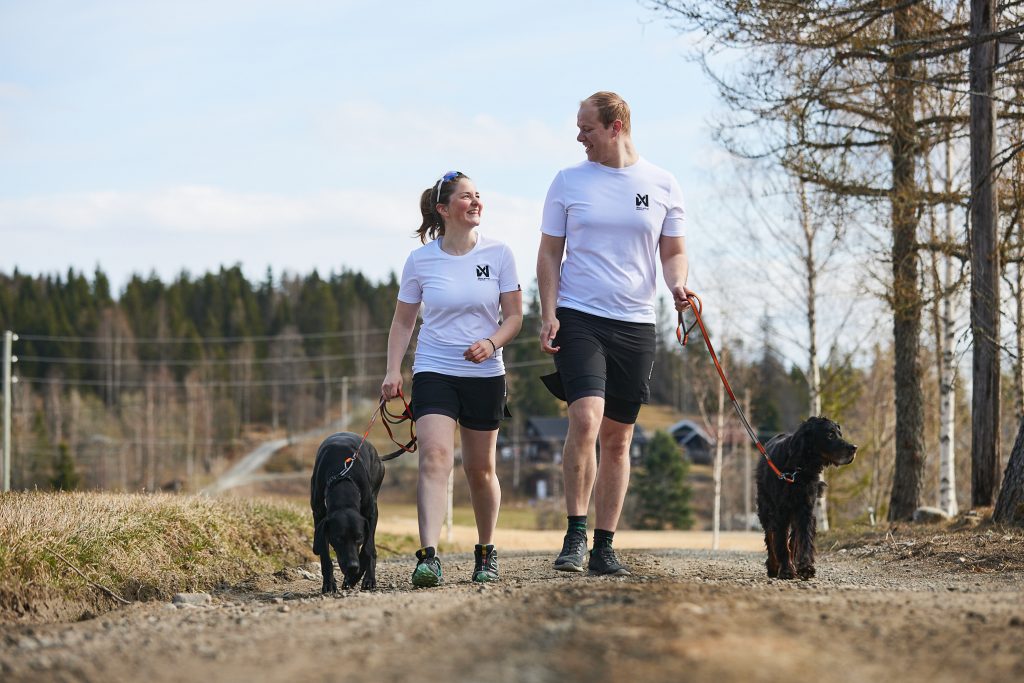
{"x":541,"y":452}
{"x":545,"y":439}
{"x":695,"y":442}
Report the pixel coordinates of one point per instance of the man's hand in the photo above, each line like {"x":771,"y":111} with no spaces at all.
{"x":679,"y":294}
{"x":548,"y":330}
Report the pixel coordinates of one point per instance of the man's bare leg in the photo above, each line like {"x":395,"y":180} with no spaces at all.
{"x":612,"y":473}
{"x":579,"y":470}
{"x":579,"y":455}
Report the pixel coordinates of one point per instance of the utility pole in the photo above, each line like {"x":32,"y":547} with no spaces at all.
{"x":746,"y":467}
{"x":9,"y":359}
{"x":719,"y":438}
{"x":344,"y":403}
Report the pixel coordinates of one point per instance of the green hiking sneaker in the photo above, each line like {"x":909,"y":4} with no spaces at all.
{"x":428,"y":569}
{"x":486,"y":563}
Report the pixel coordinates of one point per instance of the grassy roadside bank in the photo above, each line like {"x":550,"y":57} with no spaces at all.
{"x":139,"y":547}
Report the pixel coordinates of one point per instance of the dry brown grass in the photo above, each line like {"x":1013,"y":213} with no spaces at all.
{"x":141,"y":547}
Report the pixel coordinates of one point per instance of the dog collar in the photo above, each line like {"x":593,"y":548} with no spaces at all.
{"x":349,"y":464}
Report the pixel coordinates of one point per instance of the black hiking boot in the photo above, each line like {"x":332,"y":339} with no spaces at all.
{"x":574,"y":547}
{"x":485,"y":567}
{"x":604,"y":562}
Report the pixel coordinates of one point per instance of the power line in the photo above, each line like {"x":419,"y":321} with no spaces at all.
{"x":60,"y":381}
{"x":201,"y":340}
{"x":67,"y":360}
{"x":316,"y":381}
{"x":212,"y":362}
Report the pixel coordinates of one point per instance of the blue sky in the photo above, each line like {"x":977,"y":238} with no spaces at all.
{"x":167,"y":136}
{"x":162,"y":136}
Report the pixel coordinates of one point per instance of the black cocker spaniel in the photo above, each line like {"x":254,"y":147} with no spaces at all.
{"x":786,"y":509}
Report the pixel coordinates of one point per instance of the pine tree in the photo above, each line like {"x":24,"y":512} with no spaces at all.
{"x":660,"y":489}
{"x":65,"y":476}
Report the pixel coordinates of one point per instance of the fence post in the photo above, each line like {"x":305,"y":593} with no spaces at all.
{"x":9,"y":359}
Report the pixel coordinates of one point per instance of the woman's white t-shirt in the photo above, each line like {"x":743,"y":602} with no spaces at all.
{"x":460,"y":297}
{"x":612,"y":220}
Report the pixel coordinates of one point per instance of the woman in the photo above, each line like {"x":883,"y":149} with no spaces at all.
{"x":462,"y":279}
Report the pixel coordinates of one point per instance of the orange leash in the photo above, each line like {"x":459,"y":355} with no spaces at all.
{"x":682,"y":334}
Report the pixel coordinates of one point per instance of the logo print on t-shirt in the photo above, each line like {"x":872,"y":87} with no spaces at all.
{"x":641,"y":202}
{"x":483,"y":272}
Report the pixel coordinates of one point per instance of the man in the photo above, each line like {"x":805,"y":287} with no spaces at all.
{"x":609,"y":217}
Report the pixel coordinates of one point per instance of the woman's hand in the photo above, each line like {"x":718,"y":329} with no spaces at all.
{"x":392,"y":384}
{"x":480,"y":351}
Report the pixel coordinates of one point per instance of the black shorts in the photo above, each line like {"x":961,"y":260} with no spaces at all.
{"x":603,"y":357}
{"x":474,"y":402}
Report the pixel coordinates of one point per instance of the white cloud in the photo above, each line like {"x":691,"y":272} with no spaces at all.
{"x":199,"y":228}
{"x":366,"y":129}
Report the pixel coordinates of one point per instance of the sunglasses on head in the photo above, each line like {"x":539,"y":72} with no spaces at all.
{"x":446,"y":178}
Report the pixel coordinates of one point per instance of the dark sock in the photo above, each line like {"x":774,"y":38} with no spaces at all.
{"x":602,"y":537}
{"x":578,"y":523}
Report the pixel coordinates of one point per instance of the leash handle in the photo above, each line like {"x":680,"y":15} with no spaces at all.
{"x":388,"y":418}
{"x":682,"y":334}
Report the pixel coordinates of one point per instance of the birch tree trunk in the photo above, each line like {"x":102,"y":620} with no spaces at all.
{"x":1018,"y":365}
{"x":942,"y":329}
{"x":813,"y":369}
{"x":947,"y":370}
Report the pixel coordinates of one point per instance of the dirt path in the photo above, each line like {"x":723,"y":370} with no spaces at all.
{"x":873,"y":614}
{"x":463,"y":537}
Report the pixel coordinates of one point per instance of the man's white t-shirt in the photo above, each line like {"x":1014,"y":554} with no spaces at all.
{"x":612,"y":220}
{"x":460,"y":304}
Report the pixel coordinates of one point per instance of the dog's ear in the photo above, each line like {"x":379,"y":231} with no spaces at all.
{"x":320,"y":538}
{"x":796,"y":454}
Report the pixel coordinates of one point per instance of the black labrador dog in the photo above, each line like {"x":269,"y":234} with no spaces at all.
{"x":343,"y":496}
{"x":786,"y":510}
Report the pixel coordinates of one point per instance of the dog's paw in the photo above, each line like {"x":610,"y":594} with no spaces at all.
{"x":329,"y":587}
{"x":805,"y":572}
{"x":787,"y":573}
{"x":369,"y":584}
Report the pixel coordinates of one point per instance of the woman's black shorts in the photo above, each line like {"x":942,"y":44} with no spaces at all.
{"x":474,"y":402}
{"x":605,"y":357}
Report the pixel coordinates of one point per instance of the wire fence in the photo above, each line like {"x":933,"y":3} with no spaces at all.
{"x":201,"y":401}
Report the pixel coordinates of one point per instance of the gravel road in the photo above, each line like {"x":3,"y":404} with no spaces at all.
{"x":875,"y":613}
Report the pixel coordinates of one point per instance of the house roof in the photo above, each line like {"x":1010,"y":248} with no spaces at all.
{"x":555,"y":428}
{"x":685,"y":431}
